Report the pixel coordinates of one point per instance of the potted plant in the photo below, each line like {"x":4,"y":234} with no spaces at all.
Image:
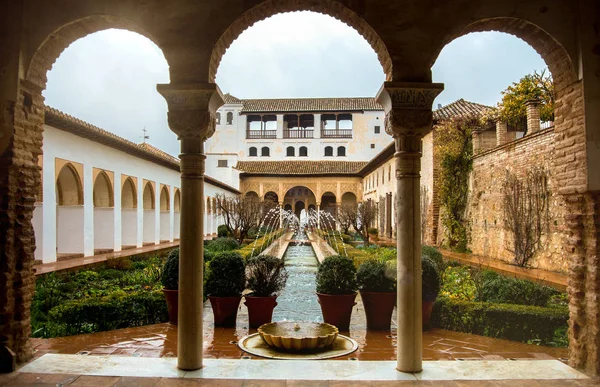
{"x":373,"y":234}
{"x":377,"y":284}
{"x":170,"y":282}
{"x":431,"y":288}
{"x":336,"y":289}
{"x":225,"y":280}
{"x":265,"y":277}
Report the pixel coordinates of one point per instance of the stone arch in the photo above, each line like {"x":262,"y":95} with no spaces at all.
{"x":148,"y":197}
{"x":292,"y":186}
{"x":209,"y":209}
{"x":69,"y":187}
{"x":128,"y":194}
{"x":270,"y":8}
{"x":103,"y":191}
{"x":349,"y":198}
{"x":165,"y":203}
{"x":554,"y":54}
{"x":272,"y":196}
{"x":50,"y":49}
{"x":251,"y":195}
{"x":177,"y":201}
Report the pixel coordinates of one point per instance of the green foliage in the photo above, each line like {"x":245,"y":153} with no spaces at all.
{"x":373,"y":231}
{"x":118,"y":310}
{"x":258,"y":246}
{"x":346,"y":238}
{"x":223,"y":244}
{"x":336,"y":275}
{"x":223,"y":231}
{"x":501,"y":289}
{"x":225,"y":275}
{"x":457,"y":284}
{"x":431,"y":279}
{"x":505,"y":321}
{"x":455,"y":149}
{"x":265,"y":275}
{"x":170,"y":274}
{"x":119,"y":263}
{"x":435,"y":255}
{"x":376,"y":276}
{"x":539,"y":86}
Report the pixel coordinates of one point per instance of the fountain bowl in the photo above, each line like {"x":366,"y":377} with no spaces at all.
{"x":298,"y":337}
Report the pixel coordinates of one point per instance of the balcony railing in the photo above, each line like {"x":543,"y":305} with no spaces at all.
{"x":336,"y":133}
{"x":302,"y":133}
{"x":259,"y":134}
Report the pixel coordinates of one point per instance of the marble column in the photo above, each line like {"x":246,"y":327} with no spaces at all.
{"x":280,"y":214}
{"x":319,"y":215}
{"x":192,"y":112}
{"x":408,"y":118}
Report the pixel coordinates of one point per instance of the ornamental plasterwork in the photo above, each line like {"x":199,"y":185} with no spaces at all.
{"x":274,"y":187}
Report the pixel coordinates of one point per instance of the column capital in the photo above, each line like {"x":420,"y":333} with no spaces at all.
{"x":408,"y":107}
{"x":192,"y":108}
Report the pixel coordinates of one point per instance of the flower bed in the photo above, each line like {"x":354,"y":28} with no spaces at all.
{"x":257,"y":247}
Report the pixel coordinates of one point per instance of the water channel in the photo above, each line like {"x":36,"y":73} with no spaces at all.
{"x":298,"y":301}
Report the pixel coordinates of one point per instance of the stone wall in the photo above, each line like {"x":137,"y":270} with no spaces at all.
{"x":485,"y":208}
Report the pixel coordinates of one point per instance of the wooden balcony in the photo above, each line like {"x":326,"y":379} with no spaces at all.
{"x":302,"y":133}
{"x":336,"y":133}
{"x":260,"y":134}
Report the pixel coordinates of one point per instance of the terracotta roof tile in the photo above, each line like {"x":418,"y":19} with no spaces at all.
{"x":310,"y":105}
{"x":459,"y":108}
{"x":230,"y":99}
{"x":297,"y":167}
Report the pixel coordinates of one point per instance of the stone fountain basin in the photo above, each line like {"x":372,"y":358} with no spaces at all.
{"x":303,"y":336}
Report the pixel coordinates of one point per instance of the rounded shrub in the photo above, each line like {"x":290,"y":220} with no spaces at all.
{"x":336,"y":275}
{"x":170,"y":272}
{"x":376,"y":276}
{"x":434,"y":254}
{"x":265,"y":275}
{"x":373,"y":231}
{"x":431,"y":279}
{"x":223,"y":231}
{"x":223,"y":244}
{"x":225,"y":275}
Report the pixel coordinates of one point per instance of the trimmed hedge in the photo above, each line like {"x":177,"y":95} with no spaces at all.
{"x":504,"y":321}
{"x":260,"y":245}
{"x":107,"y":313}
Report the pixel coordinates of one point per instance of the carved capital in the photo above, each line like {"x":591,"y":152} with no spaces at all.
{"x":408,"y":156}
{"x":192,"y":108}
{"x":408,"y":107}
{"x":192,"y":165}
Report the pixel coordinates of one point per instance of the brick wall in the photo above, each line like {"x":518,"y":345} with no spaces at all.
{"x":485,"y":209}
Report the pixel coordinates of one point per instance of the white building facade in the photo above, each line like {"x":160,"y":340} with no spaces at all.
{"x":101,"y":193}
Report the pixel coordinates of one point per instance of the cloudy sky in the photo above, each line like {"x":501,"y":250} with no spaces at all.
{"x":109,"y":78}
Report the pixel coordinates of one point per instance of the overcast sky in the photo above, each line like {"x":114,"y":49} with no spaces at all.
{"x":109,"y":78}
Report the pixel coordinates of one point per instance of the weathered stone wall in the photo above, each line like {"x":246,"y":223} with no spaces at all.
{"x":485,"y":210}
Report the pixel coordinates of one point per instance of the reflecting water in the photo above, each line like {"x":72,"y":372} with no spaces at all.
{"x":298,"y":301}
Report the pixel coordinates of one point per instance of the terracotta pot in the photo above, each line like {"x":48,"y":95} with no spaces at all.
{"x":337,"y":309}
{"x":260,"y":309}
{"x":373,"y":237}
{"x":427,"y":308}
{"x":225,"y":310}
{"x":172,"y":304}
{"x":378,"y":309}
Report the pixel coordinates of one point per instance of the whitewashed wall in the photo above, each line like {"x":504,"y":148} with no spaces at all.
{"x":81,"y":229}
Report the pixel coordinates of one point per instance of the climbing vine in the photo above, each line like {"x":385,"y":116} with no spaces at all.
{"x":455,"y":150}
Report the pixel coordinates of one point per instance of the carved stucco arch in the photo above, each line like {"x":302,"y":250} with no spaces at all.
{"x":272,"y":7}
{"x":554,"y":54}
{"x":287,"y":187}
{"x":48,"y":52}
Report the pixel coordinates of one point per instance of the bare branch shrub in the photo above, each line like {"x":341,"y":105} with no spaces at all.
{"x":241,"y":213}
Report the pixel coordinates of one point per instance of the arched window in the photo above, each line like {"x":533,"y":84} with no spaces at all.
{"x":328,"y":151}
{"x":128,"y":194}
{"x":68,"y":187}
{"x":218,"y":118}
{"x":229,"y":118}
{"x":341,"y":151}
{"x":148,"y":197}
{"x":103,"y":196}
{"x":253,"y":151}
{"x":265,"y":151}
{"x":177,"y":201}
{"x":290,"y":151}
{"x":303,"y":151}
{"x":165,"y":204}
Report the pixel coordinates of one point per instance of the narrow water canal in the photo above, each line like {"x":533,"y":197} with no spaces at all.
{"x":298,"y":301}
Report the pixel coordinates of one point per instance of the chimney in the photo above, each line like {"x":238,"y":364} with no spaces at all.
{"x":439,"y":105}
{"x":533,"y":115}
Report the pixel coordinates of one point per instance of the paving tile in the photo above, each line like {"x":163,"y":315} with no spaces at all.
{"x":307,"y":383}
{"x":130,"y":381}
{"x":95,"y":381}
{"x":264,"y":383}
{"x":173,"y":382}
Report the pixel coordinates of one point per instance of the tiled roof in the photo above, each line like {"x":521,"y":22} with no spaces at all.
{"x":67,"y":123}
{"x":309,"y":105}
{"x":459,"y":108}
{"x":300,"y":167}
{"x":230,"y":99}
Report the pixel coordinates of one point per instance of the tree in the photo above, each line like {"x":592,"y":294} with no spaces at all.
{"x":539,"y":86}
{"x":241,"y":213}
{"x":345,"y":216}
{"x":362,"y":216}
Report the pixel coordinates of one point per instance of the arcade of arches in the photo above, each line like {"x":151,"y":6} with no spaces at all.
{"x":407,"y":36}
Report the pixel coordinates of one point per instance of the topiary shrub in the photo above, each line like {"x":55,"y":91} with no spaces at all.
{"x":265,"y":275}
{"x":336,"y":275}
{"x":435,"y":255}
{"x":509,"y":290}
{"x":223,"y":244}
{"x":223,"y":231}
{"x":376,"y":276}
{"x":373,"y":231}
{"x":431,"y":279}
{"x":225,"y":275}
{"x":170,"y":272}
